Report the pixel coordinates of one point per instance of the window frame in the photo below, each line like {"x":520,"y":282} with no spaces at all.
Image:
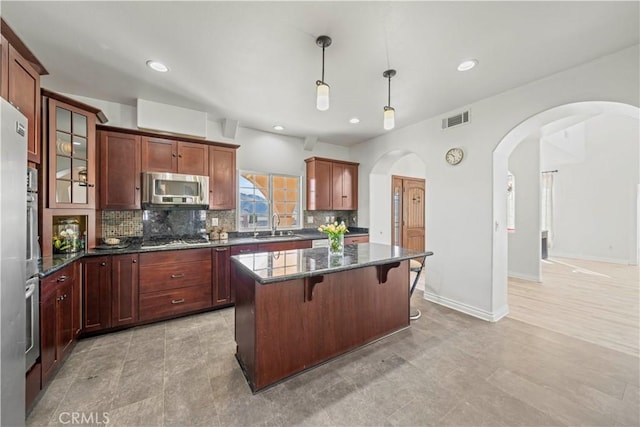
{"x":270,"y":202}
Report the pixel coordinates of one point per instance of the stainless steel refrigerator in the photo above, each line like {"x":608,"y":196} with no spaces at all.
{"x":13,"y":247}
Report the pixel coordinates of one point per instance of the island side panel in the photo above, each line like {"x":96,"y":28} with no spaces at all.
{"x":284,"y":336}
{"x":245,"y":324}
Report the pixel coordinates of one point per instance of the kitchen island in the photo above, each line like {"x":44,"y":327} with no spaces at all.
{"x":299,"y":308}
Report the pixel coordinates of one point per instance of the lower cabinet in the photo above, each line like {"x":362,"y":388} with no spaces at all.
{"x":356,"y":239}
{"x":220,"y":281}
{"x":58,"y":296}
{"x":110,"y":291}
{"x":174,"y":283}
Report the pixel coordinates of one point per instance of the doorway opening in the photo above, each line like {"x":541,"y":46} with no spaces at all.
{"x":574,"y":144}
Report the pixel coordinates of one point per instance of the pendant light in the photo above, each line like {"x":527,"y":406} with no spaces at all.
{"x":389,"y":113}
{"x":322,"y":89}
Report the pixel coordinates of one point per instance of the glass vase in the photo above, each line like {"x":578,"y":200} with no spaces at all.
{"x":336,"y":244}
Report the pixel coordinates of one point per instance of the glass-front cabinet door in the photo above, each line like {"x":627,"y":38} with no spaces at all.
{"x":72,"y":174}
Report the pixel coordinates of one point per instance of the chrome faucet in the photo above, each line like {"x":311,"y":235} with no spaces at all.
{"x":275,"y":222}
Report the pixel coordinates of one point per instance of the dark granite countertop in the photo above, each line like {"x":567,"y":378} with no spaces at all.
{"x":272,"y":267}
{"x":50,"y":265}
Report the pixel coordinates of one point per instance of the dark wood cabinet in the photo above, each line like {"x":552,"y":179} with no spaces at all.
{"x":24,"y":94}
{"x":58,"y":295}
{"x":331,"y":184}
{"x":220,"y":278}
{"x":120,"y":167}
{"x":71,"y":153}
{"x":20,"y":73}
{"x":97,"y":293}
{"x":167,"y":155}
{"x":355,"y":239}
{"x":110,"y":291}
{"x":222,"y":178}
{"x":284,"y":246}
{"x":124,"y":289}
{"x":174,"y":283}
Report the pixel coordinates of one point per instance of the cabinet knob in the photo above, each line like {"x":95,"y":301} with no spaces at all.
{"x":62,"y":279}
{"x":180,"y":155}
{"x":134,"y":261}
{"x":173,"y":155}
{"x":102,"y":264}
{"x":137,"y":188}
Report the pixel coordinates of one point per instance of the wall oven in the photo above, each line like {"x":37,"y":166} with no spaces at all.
{"x":32,"y":289}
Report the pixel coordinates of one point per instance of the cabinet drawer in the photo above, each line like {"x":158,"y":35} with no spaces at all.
{"x":243,"y":249}
{"x":284,"y":246}
{"x":174,"y":276}
{"x":50,"y":284}
{"x":155,"y":305}
{"x":356,"y":239}
{"x":175,"y":257}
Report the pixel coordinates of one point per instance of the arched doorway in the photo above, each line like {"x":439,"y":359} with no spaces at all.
{"x":544,"y":123}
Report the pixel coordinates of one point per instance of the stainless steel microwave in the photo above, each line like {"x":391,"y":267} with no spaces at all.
{"x":174,"y":190}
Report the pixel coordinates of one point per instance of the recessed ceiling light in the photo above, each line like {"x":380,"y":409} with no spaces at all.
{"x":354,"y":120}
{"x":278,"y":127}
{"x":467,"y":65}
{"x":157,"y":66}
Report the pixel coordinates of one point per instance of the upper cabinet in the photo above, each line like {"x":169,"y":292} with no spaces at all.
{"x":331,"y":184}
{"x":119,"y":170}
{"x":71,"y":146}
{"x":222,"y":178}
{"x":20,"y":74}
{"x":166,"y":155}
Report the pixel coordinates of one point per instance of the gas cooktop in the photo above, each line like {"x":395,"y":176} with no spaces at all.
{"x":164,"y":241}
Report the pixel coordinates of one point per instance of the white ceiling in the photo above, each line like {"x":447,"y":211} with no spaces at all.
{"x":257,"y":62}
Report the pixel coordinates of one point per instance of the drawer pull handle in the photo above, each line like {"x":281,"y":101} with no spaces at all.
{"x":221,"y":250}
{"x":177,"y":301}
{"x":62,"y":278}
{"x":177,"y":276}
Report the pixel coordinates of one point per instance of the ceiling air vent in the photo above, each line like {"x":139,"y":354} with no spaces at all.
{"x":456,"y":120}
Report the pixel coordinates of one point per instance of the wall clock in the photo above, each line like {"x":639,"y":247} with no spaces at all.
{"x":454,"y":156}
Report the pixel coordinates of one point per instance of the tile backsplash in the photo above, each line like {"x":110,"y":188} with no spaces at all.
{"x":131,"y":223}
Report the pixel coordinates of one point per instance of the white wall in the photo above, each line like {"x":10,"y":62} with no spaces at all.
{"x":259,"y":151}
{"x":460,"y":209}
{"x":595,"y":190}
{"x":524,"y":243}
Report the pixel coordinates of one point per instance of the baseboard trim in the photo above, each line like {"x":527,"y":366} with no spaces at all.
{"x":524,"y":277}
{"x":468,"y":309}
{"x":591,"y":258}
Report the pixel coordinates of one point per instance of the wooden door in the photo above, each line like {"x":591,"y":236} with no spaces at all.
{"x":222,"y":178}
{"x":408,"y":212}
{"x":120,"y":168}
{"x":97,"y":293}
{"x":124,"y":289}
{"x":159,"y":155}
{"x":319,"y":185}
{"x":350,"y":187}
{"x":77,"y":299}
{"x":24,"y":94}
{"x":193,"y":159}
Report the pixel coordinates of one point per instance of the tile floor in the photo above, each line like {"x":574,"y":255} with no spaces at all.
{"x":448,"y":369}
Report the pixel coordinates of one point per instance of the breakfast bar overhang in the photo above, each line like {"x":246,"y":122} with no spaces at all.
{"x":299,"y":308}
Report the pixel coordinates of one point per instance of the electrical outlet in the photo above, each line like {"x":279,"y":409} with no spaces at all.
{"x":214,"y":222}
{"x":327,"y":219}
{"x":309,"y":220}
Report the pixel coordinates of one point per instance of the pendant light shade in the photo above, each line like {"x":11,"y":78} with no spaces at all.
{"x":322,"y":89}
{"x":322,"y":96}
{"x":389,"y":121}
{"x":389,"y":118}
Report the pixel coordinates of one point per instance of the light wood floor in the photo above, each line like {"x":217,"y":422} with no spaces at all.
{"x":593,"y":301}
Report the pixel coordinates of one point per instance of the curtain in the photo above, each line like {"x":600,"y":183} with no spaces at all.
{"x":547,"y":206}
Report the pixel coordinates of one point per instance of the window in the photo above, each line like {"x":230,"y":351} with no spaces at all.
{"x":263,"y":195}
